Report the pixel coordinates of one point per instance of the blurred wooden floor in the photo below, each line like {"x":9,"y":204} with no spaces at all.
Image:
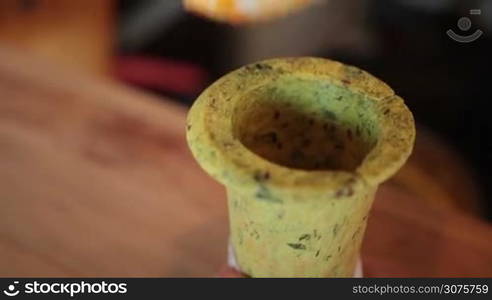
{"x":96,"y":180}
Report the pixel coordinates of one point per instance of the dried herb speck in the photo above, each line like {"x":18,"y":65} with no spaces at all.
{"x":306,"y":236}
{"x":345,"y":191}
{"x":262,"y":67}
{"x":297,"y":246}
{"x":263,"y":193}
{"x":261,"y":176}
{"x":335,"y":230}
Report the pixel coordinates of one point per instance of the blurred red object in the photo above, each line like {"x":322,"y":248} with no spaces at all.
{"x":161,"y":74}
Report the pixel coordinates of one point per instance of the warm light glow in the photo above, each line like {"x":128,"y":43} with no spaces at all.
{"x":239,"y":11}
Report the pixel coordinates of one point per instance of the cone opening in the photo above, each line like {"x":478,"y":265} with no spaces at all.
{"x":307,"y":124}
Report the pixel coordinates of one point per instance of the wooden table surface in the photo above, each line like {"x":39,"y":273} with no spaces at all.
{"x":96,"y":180}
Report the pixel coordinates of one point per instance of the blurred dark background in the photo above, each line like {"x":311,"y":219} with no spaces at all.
{"x":403,"y":42}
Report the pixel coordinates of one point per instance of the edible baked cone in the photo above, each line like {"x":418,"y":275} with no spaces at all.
{"x":301,"y":145}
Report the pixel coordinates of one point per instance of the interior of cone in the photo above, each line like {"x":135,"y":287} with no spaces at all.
{"x":309,"y":124}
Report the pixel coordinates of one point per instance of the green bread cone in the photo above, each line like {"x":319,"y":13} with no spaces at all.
{"x":301,"y":145}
